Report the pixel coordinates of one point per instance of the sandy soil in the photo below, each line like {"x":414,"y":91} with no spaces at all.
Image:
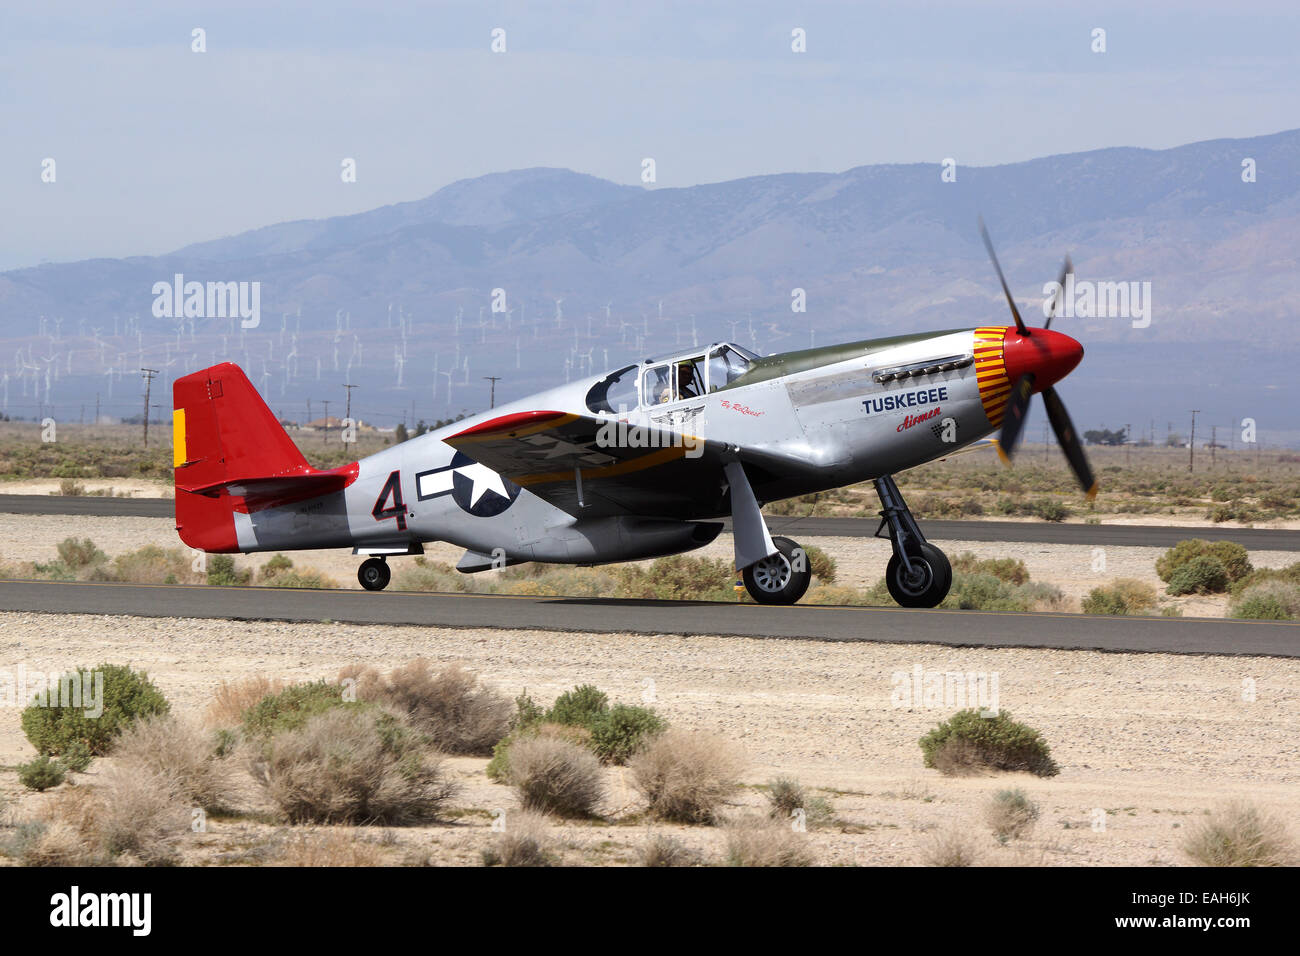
{"x":119,"y":487}
{"x":860,"y":561}
{"x":1146,"y":742}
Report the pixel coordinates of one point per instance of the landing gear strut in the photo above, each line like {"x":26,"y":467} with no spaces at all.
{"x":781,"y":578}
{"x":918,"y":575}
{"x":374,"y":574}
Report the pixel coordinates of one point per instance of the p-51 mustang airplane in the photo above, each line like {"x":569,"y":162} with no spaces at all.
{"x":634,"y":463}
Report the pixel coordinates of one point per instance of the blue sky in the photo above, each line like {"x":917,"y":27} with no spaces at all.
{"x":157,"y":146}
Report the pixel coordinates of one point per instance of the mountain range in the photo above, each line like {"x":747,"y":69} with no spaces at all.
{"x":399,"y":299}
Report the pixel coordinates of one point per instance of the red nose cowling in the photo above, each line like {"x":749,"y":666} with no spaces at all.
{"x":1048,"y":355}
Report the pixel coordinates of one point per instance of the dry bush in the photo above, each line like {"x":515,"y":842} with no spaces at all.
{"x":133,"y":814}
{"x":552,"y":775}
{"x":525,"y":841}
{"x":351,"y":766}
{"x":788,"y":798}
{"x":950,"y":848}
{"x":1010,"y":814}
{"x":231,"y":699}
{"x":686,"y":776}
{"x":332,"y":848}
{"x":1240,"y":834}
{"x":660,"y":849}
{"x":181,"y":749}
{"x":460,"y":715}
{"x":753,"y":842}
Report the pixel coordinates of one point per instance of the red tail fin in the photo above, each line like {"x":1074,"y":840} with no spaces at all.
{"x":231,"y":455}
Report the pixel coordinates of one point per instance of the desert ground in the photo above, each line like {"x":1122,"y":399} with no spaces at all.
{"x":1147,"y":743}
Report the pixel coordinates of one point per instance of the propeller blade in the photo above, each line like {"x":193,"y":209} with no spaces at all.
{"x":1015,"y":313}
{"x":1013,"y":416}
{"x":1066,"y":270}
{"x":1065,"y":434}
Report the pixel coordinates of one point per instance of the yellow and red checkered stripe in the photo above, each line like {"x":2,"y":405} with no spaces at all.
{"x":991,"y":372}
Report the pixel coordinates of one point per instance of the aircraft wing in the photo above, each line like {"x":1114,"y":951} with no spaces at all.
{"x":594,"y":466}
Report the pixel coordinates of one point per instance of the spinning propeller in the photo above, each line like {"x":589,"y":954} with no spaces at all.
{"x":1035,"y":360}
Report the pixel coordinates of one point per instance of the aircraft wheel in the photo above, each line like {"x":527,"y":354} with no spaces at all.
{"x":928,"y":583}
{"x":778,"y":579}
{"x":374,"y":574}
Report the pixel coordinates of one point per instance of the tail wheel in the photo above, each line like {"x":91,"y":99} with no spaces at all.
{"x":928,"y":582}
{"x":374,"y":574}
{"x":781,"y":578}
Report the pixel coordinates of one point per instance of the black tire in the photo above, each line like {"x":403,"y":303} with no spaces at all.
{"x":930,"y":582}
{"x":374,"y":574}
{"x":776,"y":580}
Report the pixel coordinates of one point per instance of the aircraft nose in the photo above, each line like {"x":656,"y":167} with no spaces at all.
{"x":1049,"y":355}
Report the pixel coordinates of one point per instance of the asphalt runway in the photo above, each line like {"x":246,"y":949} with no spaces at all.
{"x":889,"y":625}
{"x":1045,"y":532}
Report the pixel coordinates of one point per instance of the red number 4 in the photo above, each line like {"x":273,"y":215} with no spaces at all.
{"x":393,"y":490}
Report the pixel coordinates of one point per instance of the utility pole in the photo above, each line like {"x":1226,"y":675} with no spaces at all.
{"x":492,"y":400}
{"x":148,"y":374}
{"x":348,"y":415}
{"x":1214,"y":441}
{"x":327,"y":421}
{"x":1128,"y":444}
{"x":309,"y":411}
{"x":97,"y":408}
{"x":1191,"y":445}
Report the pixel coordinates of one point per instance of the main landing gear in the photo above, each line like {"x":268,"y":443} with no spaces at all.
{"x":374,"y":574}
{"x":781,"y":578}
{"x":918,"y":575}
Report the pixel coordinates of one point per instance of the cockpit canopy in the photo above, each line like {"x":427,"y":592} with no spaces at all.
{"x":671,"y":378}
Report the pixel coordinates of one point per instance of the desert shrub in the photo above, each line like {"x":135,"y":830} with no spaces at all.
{"x":1269,"y":601}
{"x":983,"y":592}
{"x":331,"y":848}
{"x":527,"y":712}
{"x":459,"y":715}
{"x":223,"y":573}
{"x":622,"y":730}
{"x":967,"y":743}
{"x":1049,"y":509}
{"x":352,"y":766}
{"x":76,"y":757}
{"x":140,"y":812}
{"x":839,"y":595}
{"x":679,"y":578}
{"x":127,"y":695}
{"x":787,"y":798}
{"x":275,"y":565}
{"x":1011,"y":570}
{"x":291,"y":708}
{"x":820,"y":563}
{"x":1240,"y":834}
{"x":1010,"y":814}
{"x":1290,"y":574}
{"x":765,"y":843}
{"x":1203,"y":575}
{"x":232,"y":699}
{"x":524,"y":841}
{"x":167,"y":745}
{"x":78,"y":553}
{"x":950,"y":848}
{"x":154,"y":565}
{"x":582,"y":707}
{"x":1039,"y":596}
{"x":41,"y":773}
{"x":1232,"y":556}
{"x":1104,"y":600}
{"x":552,"y":775}
{"x":686,"y":776}
{"x":498,"y":767}
{"x":425,"y":575}
{"x":660,"y":849}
